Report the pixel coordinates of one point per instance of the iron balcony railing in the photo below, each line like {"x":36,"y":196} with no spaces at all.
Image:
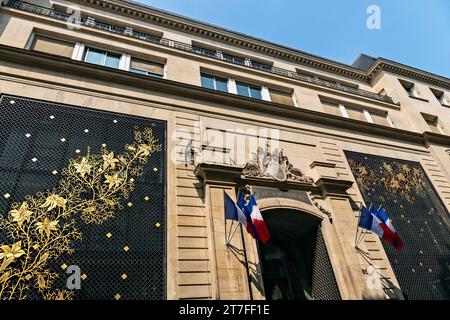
{"x":90,"y":22}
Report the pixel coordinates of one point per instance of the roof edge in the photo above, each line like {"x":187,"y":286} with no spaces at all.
{"x":184,"y":24}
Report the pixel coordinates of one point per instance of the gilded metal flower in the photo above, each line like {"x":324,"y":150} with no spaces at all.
{"x":53,"y":231}
{"x":109,"y":202}
{"x":416,"y":172}
{"x":89,"y":209}
{"x":113,"y":181}
{"x":388,"y":167}
{"x":144,"y":150}
{"x":109,"y":161}
{"x":8,"y":254}
{"x":4,"y":276}
{"x":83,"y":167}
{"x":405,"y":168}
{"x":15,"y":251}
{"x":22,"y":214}
{"x":47,"y":226}
{"x":54,"y":201}
{"x":42,"y":284}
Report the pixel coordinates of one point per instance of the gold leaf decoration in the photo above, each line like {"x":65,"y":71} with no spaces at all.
{"x":401,"y":179}
{"x":42,"y":227}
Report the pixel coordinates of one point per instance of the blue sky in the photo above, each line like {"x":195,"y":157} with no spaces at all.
{"x":413,"y":32}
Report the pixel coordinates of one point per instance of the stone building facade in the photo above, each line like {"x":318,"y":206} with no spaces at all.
{"x":312,"y":138}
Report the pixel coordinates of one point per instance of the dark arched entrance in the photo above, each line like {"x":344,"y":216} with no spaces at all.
{"x":295,"y":264}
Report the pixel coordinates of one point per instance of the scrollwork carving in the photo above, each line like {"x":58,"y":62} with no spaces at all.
{"x":275,"y":165}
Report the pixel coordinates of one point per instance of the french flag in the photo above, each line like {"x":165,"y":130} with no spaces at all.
{"x":257,"y":227}
{"x":232,"y":210}
{"x":379,"y":223}
{"x":248,"y":215}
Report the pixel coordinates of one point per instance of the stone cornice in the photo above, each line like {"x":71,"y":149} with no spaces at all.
{"x":409,"y":72}
{"x":187,"y":25}
{"x":269,"y":109}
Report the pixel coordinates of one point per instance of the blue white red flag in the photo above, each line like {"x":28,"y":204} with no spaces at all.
{"x":256,"y":225}
{"x":379,"y":223}
{"x":232,"y":210}
{"x":248,"y":214}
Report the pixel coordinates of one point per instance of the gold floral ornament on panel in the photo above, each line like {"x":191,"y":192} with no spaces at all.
{"x":42,"y":227}
{"x":403,"y":179}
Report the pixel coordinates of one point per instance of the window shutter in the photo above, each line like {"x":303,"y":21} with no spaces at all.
{"x":53,"y":46}
{"x":148,"y":66}
{"x":281,"y":97}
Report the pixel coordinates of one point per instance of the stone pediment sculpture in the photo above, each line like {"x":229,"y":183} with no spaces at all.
{"x":274,"y":165}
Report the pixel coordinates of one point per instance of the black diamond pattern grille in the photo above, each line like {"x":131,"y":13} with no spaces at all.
{"x":324,"y":286}
{"x":419,"y":217}
{"x":123,"y":258}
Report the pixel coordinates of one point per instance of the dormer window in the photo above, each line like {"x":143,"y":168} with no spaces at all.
{"x":232,"y":58}
{"x":433,"y":123}
{"x":409,"y":88}
{"x":441,"y":97}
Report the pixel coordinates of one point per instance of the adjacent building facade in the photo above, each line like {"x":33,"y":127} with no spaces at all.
{"x":136,"y":121}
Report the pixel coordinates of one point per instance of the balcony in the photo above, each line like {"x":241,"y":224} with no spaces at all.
{"x":129,"y":32}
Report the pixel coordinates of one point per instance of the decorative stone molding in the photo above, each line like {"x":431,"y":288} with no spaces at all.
{"x":324,"y":211}
{"x":179,"y":23}
{"x":274,"y":165}
{"x":55,"y":63}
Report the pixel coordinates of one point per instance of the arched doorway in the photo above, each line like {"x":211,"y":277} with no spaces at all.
{"x":295,"y":263}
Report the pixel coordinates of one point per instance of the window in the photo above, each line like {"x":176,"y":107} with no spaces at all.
{"x":213,"y":82}
{"x":440,"y":95}
{"x":433,"y":123}
{"x":52,"y":46}
{"x":203,"y":51}
{"x":360,"y":114}
{"x":234,"y":59}
{"x":148,"y":68}
{"x":261,"y":66}
{"x":102,"y":58}
{"x":409,"y":87}
{"x":281,"y":97}
{"x":247,"y":90}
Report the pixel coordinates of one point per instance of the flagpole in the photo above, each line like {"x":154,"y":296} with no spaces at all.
{"x":234,"y":232}
{"x":226,"y":240}
{"x":363,"y":234}
{"x":357,"y":226}
{"x":246,"y":264}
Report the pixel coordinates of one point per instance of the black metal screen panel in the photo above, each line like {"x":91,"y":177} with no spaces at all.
{"x":419,"y":217}
{"x":82,"y":203}
{"x":324,"y":286}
